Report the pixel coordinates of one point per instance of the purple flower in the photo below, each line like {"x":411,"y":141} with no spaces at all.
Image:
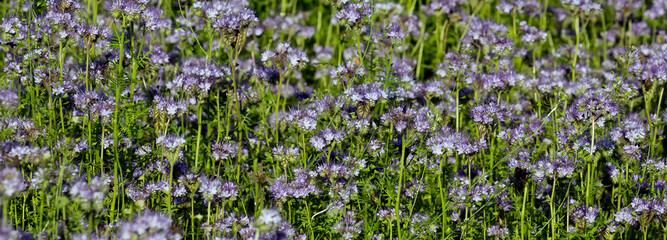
{"x":233,"y":23}
{"x":446,"y":141}
{"x":285,"y":154}
{"x":442,"y":6}
{"x":11,"y":182}
{"x":395,"y":33}
{"x":210,"y":188}
{"x":585,"y":215}
{"x":167,"y":107}
{"x":490,"y":113}
{"x":223,"y":150}
{"x":348,"y":227}
{"x":148,"y":225}
{"x":531,"y":34}
{"x":367,"y":94}
{"x":582,"y":7}
{"x":268,"y":219}
{"x":326,"y":137}
{"x":170,"y":141}
{"x":625,"y":215}
{"x":8,"y":98}
{"x":454,"y":65}
{"x":303,"y":118}
{"x":153,"y":19}
{"x":407,"y":119}
{"x":284,"y":57}
{"x":354,"y":14}
{"x":497,"y":231}
{"x":128,"y":9}
{"x":280,"y":189}
{"x":90,"y":194}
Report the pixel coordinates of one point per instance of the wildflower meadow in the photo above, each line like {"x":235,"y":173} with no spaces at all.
{"x":333,"y":119}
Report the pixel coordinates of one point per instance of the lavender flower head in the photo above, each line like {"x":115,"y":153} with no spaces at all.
{"x":585,"y":215}
{"x":210,"y":188}
{"x":584,"y":8}
{"x":497,"y":231}
{"x":354,"y":14}
{"x":284,"y":57}
{"x":171,"y":142}
{"x":166,"y":107}
{"x":11,"y":182}
{"x":531,"y":35}
{"x":223,"y":150}
{"x":490,"y":113}
{"x":269,"y":219}
{"x":395,"y":33}
{"x":285,"y":154}
{"x":90,"y":195}
{"x":326,"y":137}
{"x":234,"y":22}
{"x":127,"y":10}
{"x":446,"y":141}
{"x":148,"y":225}
{"x":8,"y":99}
{"x":348,"y":227}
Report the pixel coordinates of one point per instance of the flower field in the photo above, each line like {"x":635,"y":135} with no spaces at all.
{"x":333,"y":119}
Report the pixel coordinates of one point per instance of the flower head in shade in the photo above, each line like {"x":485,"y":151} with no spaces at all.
{"x":228,"y":191}
{"x":647,"y":206}
{"x":223,"y":150}
{"x":302,"y":118}
{"x":442,"y":7}
{"x":348,"y":227}
{"x":404,"y":118}
{"x":585,"y":215}
{"x":497,"y":231}
{"x":347,"y":73}
{"x":138,"y":195}
{"x":395,"y":33}
{"x":657,"y":9}
{"x":625,"y":215}
{"x":632,"y":128}
{"x":8,"y":99}
{"x":560,"y":167}
{"x":584,"y":8}
{"x":11,"y":182}
{"x":531,"y":8}
{"x":127,"y":10}
{"x":420,"y":225}
{"x":148,"y":225}
{"x":454,"y":65}
{"x":8,"y":232}
{"x":280,"y":189}
{"x":166,"y":107}
{"x":153,"y":19}
{"x":210,"y":188}
{"x":285,"y":57}
{"x":90,"y":194}
{"x":487,"y":33}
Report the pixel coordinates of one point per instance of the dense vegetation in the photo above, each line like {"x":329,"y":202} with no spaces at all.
{"x":335,"y":119}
